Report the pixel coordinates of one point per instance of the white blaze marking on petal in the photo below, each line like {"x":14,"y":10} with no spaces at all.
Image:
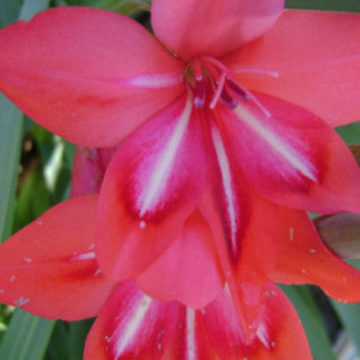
{"x":263,"y":335}
{"x":285,"y":150}
{"x":155,"y":81}
{"x":84,"y":256}
{"x":190,"y":334}
{"x":227,"y":183}
{"x":127,"y":334}
{"x":156,"y":185}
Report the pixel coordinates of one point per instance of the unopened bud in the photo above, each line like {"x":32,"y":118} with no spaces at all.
{"x":341,"y":233}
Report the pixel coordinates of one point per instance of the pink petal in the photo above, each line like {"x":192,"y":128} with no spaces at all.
{"x":302,"y":258}
{"x":150,"y":188}
{"x":232,"y":209}
{"x":292,"y":157}
{"x":92,"y":83}
{"x":89,"y":169}
{"x":317,"y":57}
{"x":49,"y":267}
{"x":189,"y":270}
{"x":133,"y":326}
{"x":212,"y":28}
{"x":276,"y":334}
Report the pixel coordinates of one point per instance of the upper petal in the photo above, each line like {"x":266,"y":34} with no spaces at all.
{"x":150,"y":188}
{"x":317,"y":57}
{"x":92,"y":83}
{"x":292,"y":157}
{"x":49,"y":267}
{"x":212,"y":27}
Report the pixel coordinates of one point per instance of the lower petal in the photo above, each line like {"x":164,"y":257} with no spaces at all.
{"x":49,"y":267}
{"x":189,"y":270}
{"x":292,"y":157}
{"x":276,"y":334}
{"x":302,"y":258}
{"x":150,"y":188}
{"x":134,"y":326}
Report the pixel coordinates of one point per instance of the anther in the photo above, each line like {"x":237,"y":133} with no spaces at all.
{"x":227,"y":100}
{"x":200,"y":93}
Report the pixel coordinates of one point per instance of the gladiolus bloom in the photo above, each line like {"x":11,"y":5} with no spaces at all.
{"x":52,"y":277}
{"x":224,"y":120}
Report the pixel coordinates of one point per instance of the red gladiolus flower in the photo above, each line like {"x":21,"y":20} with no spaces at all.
{"x":227,"y":143}
{"x":45,"y":273}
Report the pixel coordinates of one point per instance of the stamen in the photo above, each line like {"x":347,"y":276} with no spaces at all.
{"x":238,"y":89}
{"x":271,"y":73}
{"x":219,"y":89}
{"x":247,"y":95}
{"x":228,"y":100}
{"x":199,"y":87}
{"x":199,"y":93}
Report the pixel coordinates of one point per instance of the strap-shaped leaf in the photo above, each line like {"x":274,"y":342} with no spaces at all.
{"x":26,"y":338}
{"x":310,"y":317}
{"x":338,"y":5}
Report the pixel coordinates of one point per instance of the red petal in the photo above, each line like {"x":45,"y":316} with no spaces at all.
{"x":89,"y":169}
{"x":317,"y":57}
{"x":277,"y":333}
{"x":189,"y":270}
{"x":230,"y":206}
{"x":77,"y":86}
{"x":150,"y":188}
{"x":49,"y":267}
{"x":292,"y":157}
{"x":302,"y":258}
{"x":212,"y":28}
{"x":132,"y":326}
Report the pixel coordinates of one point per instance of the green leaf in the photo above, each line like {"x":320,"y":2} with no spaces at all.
{"x":350,"y":133}
{"x":335,"y":5}
{"x":349,"y":315}
{"x":9,"y":11}
{"x":68,"y":340}
{"x":311,"y":320}
{"x":10,"y":144}
{"x":26,"y":338}
{"x":31,"y":7}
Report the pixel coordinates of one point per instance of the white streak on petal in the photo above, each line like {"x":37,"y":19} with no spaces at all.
{"x":227,"y":183}
{"x":283,"y":149}
{"x":84,"y":256}
{"x":155,"y":81}
{"x":156,"y":185}
{"x":190,"y":334}
{"x":126,"y":335}
{"x":263,"y":335}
